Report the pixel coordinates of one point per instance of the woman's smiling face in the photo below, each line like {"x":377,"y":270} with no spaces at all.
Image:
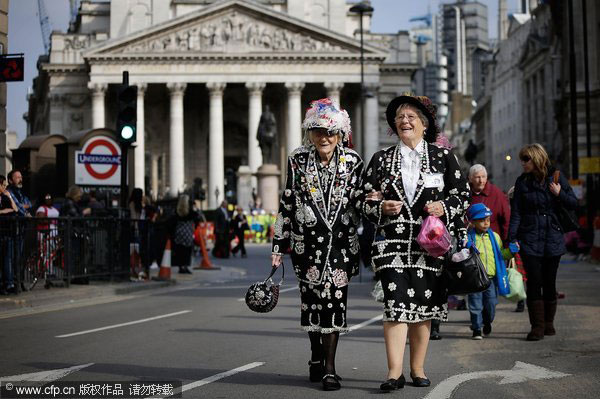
{"x":408,"y":124}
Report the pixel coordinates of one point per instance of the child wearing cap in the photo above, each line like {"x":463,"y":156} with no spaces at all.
{"x":482,"y":305}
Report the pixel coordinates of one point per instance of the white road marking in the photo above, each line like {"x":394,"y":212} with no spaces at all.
{"x":280,"y":291}
{"x":520,"y":372}
{"x":44,"y":376}
{"x":123,"y":324}
{"x":217,"y":377}
{"x":364,"y":324}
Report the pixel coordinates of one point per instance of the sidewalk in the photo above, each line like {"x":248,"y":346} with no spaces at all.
{"x":41,"y":299}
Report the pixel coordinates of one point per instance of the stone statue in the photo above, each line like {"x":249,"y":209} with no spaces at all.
{"x":267,"y":136}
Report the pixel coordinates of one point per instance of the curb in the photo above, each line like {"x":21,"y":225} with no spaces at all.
{"x":143,"y":286}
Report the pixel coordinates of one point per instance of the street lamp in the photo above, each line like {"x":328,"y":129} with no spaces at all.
{"x":361,"y":9}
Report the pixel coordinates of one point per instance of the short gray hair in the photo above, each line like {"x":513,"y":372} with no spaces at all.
{"x":476,"y":169}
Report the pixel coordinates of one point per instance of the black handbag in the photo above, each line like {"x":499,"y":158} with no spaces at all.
{"x":262,"y":296}
{"x":467,"y":276}
{"x":567,"y":219}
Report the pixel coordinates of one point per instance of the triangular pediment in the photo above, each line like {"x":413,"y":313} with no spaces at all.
{"x":233,"y":28}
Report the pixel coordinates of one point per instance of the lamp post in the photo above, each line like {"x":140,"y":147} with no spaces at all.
{"x":361,"y":9}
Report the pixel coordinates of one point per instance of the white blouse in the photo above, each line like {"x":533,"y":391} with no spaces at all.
{"x":411,"y":168}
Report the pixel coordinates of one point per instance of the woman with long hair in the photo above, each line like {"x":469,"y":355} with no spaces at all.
{"x":535,"y":227}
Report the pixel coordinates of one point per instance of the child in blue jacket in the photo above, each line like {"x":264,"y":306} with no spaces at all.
{"x":482,"y":305}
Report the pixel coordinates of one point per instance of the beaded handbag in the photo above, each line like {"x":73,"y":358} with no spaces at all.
{"x":262,"y":296}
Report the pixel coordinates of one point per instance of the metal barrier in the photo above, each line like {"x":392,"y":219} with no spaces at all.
{"x":73,"y":250}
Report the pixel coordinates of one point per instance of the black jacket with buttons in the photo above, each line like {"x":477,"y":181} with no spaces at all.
{"x":533,"y":221}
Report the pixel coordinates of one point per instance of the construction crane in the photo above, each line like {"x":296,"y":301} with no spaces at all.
{"x":44,"y":25}
{"x":74,"y":5}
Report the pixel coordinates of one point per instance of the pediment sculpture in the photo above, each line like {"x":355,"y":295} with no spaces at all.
{"x":233,"y":32}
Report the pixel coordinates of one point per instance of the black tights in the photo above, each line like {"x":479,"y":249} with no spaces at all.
{"x":541,"y":277}
{"x":323,"y":347}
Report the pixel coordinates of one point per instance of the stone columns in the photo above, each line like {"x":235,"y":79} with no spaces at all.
{"x":154,"y":176}
{"x":216,"y":164}
{"x":370,"y":139}
{"x":294,"y":116}
{"x":176,"y":146}
{"x":140,"y":149}
{"x":98,"y":91}
{"x":333,"y":90}
{"x":254,"y":111}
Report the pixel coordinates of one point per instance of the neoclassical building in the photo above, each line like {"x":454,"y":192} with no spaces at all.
{"x":206,"y":70}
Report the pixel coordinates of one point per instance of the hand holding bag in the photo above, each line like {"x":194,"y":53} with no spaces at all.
{"x":464,"y":273}
{"x":515,"y":281}
{"x":434,"y":237}
{"x":262,"y":296}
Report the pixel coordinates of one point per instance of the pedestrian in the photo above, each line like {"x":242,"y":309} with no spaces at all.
{"x":15,"y":187}
{"x":181,"y":227}
{"x":137,"y":214}
{"x":222,"y":232}
{"x":411,"y":180}
{"x":239,"y":225}
{"x":8,"y":208}
{"x":483,"y":191}
{"x":534,"y":225}
{"x":72,"y":204}
{"x":317,"y":224}
{"x":482,"y":305}
{"x":47,"y":236}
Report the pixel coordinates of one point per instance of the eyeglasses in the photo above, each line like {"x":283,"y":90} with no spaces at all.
{"x":400,"y":118}
{"x":525,"y":158}
{"x":47,"y":197}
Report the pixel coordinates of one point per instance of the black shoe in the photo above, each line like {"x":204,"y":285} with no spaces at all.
{"x":487,"y":329}
{"x":331,"y":382}
{"x":393,"y":384}
{"x":420,"y":382}
{"x":477,"y":335}
{"x":520,"y":307}
{"x":315,"y":370}
{"x":435,"y":335}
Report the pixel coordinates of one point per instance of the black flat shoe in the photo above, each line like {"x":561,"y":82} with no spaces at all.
{"x":420,"y":381}
{"x":315,"y":370}
{"x":330,"y":382}
{"x":393,"y":384}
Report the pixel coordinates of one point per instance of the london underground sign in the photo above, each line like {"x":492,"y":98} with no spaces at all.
{"x":98,"y":163}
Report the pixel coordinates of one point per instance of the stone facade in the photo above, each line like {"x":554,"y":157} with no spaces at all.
{"x":205,"y":70}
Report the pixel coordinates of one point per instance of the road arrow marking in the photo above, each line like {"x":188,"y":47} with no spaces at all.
{"x":217,"y":377}
{"x":44,"y":376}
{"x":123,"y":324}
{"x":520,"y":372}
{"x":364,"y":324}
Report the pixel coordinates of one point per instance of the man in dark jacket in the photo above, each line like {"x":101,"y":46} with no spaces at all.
{"x":222,"y":226}
{"x":483,"y":191}
{"x":15,"y":181}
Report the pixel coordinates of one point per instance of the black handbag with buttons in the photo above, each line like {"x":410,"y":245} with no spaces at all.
{"x":466,"y":276}
{"x":262,"y":296}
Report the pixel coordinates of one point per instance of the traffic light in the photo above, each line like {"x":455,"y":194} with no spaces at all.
{"x":127,"y":114}
{"x":11,"y":68}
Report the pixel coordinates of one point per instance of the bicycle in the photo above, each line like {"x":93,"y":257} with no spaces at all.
{"x":43,"y":261}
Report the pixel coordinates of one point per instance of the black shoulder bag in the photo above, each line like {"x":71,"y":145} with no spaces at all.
{"x":262,"y":296}
{"x":566,"y":219}
{"x":466,"y":276}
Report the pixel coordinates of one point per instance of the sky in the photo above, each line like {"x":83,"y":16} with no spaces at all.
{"x":24,"y":36}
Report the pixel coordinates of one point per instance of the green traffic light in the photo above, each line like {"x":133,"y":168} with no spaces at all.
{"x":127,"y":132}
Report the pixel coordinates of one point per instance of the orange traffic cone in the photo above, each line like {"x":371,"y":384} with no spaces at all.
{"x":206,"y":263}
{"x":165,"y":266}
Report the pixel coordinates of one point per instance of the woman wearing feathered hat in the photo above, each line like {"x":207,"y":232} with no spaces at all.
{"x":316,"y":224}
{"x":408,"y":182}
